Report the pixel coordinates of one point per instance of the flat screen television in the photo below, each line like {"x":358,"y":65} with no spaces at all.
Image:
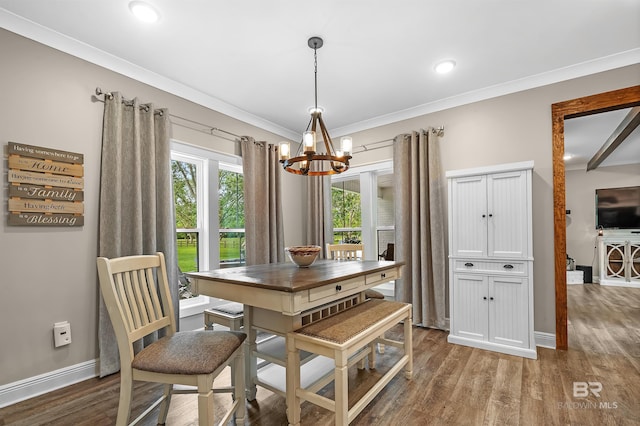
{"x":618,"y":208}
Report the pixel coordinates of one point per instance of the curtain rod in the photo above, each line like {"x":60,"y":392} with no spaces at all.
{"x":438,"y":131}
{"x":207,"y":128}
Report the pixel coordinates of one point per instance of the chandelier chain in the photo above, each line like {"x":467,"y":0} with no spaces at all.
{"x":315,"y":71}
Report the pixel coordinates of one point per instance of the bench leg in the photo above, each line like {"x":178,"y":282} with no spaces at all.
{"x":292,"y":382}
{"x":341,"y":389}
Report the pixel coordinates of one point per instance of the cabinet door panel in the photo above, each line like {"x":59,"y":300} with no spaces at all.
{"x":507,"y":209}
{"x":508,"y":311}
{"x":470,"y":306}
{"x":469,"y":227}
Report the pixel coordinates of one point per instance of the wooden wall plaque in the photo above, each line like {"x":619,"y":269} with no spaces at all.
{"x":45,"y":186}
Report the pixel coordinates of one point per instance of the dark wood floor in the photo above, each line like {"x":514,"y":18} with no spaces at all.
{"x":452,"y":384}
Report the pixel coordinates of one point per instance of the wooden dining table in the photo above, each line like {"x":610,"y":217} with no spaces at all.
{"x":282,"y":297}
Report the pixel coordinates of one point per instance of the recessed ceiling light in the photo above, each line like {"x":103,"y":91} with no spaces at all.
{"x":445,"y":66}
{"x":567,"y":157}
{"x":144,"y":11}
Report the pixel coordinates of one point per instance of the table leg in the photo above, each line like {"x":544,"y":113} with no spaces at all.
{"x":292,"y":382}
{"x":251,"y":363}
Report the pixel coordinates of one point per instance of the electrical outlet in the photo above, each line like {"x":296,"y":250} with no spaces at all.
{"x":61,"y":333}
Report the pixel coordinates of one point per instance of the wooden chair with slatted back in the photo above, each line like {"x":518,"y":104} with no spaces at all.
{"x":136,"y":293}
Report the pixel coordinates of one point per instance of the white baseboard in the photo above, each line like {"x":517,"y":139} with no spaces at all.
{"x":545,"y":340}
{"x":21,"y":390}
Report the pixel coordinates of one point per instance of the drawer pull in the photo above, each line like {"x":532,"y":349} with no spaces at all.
{"x":383,"y":275}
{"x":508,"y":266}
{"x":468,"y":264}
{"x":338,"y":287}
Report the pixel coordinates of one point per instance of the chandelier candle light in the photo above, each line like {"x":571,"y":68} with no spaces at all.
{"x":329,"y":163}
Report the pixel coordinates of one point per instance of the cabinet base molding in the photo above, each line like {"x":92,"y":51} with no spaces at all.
{"x":496,"y":347}
{"x":630,"y":284}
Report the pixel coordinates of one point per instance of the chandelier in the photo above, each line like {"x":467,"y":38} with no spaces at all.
{"x":307,"y":160}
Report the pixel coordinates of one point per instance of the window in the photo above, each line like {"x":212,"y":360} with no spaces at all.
{"x":363,"y":207}
{"x":209,"y":202}
{"x":346,"y":211}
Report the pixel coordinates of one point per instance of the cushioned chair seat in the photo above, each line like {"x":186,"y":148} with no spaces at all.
{"x":189,"y":352}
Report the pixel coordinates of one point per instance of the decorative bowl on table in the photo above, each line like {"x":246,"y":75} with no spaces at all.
{"x":303,"y":256}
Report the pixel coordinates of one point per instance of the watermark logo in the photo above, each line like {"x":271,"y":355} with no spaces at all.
{"x":585,"y":390}
{"x":582,"y":389}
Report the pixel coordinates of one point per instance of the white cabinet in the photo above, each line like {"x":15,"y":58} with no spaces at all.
{"x":490,"y":258}
{"x":619,"y":260}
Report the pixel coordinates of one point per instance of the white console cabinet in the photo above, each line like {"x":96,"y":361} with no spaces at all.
{"x":619,"y":257}
{"x":491,"y":258}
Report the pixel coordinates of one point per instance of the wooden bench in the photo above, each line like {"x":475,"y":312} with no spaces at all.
{"x":339,"y":337}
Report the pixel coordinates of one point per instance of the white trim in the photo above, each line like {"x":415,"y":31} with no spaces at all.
{"x":30,"y":387}
{"x":499,"y":168}
{"x":545,"y":340}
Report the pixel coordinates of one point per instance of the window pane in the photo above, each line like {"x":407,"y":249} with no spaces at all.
{"x":187,"y":245}
{"x":231,"y":199}
{"x":231,"y":214}
{"x":231,"y":249}
{"x":185,"y":194}
{"x":187,"y":249}
{"x":346,"y":211}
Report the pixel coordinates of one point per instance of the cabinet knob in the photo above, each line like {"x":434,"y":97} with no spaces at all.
{"x":490,"y":215}
{"x":383,"y":275}
{"x":491,"y":298}
{"x":484,"y":215}
{"x":485,"y":297}
{"x":468,"y":264}
{"x":508,"y":266}
{"x":338,"y":287}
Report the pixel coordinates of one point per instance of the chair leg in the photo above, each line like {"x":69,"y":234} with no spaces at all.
{"x":239,"y":390}
{"x":205,"y":400}
{"x":124,"y":405}
{"x":164,"y":407}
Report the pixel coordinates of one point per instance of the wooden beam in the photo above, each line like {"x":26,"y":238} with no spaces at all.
{"x":624,"y":129}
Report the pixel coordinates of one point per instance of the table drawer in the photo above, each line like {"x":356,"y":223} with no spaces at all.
{"x":331,"y":290}
{"x":505,"y":267}
{"x":381,"y":277}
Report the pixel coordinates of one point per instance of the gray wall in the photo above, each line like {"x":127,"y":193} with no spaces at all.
{"x":581,"y":225}
{"x":49,"y":275}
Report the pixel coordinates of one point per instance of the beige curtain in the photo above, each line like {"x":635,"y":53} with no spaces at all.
{"x":420,"y":227}
{"x":319,"y":229}
{"x":262,"y":202}
{"x":136,"y":210}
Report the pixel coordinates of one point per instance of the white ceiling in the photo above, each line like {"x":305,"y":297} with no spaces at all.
{"x":249,"y":58}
